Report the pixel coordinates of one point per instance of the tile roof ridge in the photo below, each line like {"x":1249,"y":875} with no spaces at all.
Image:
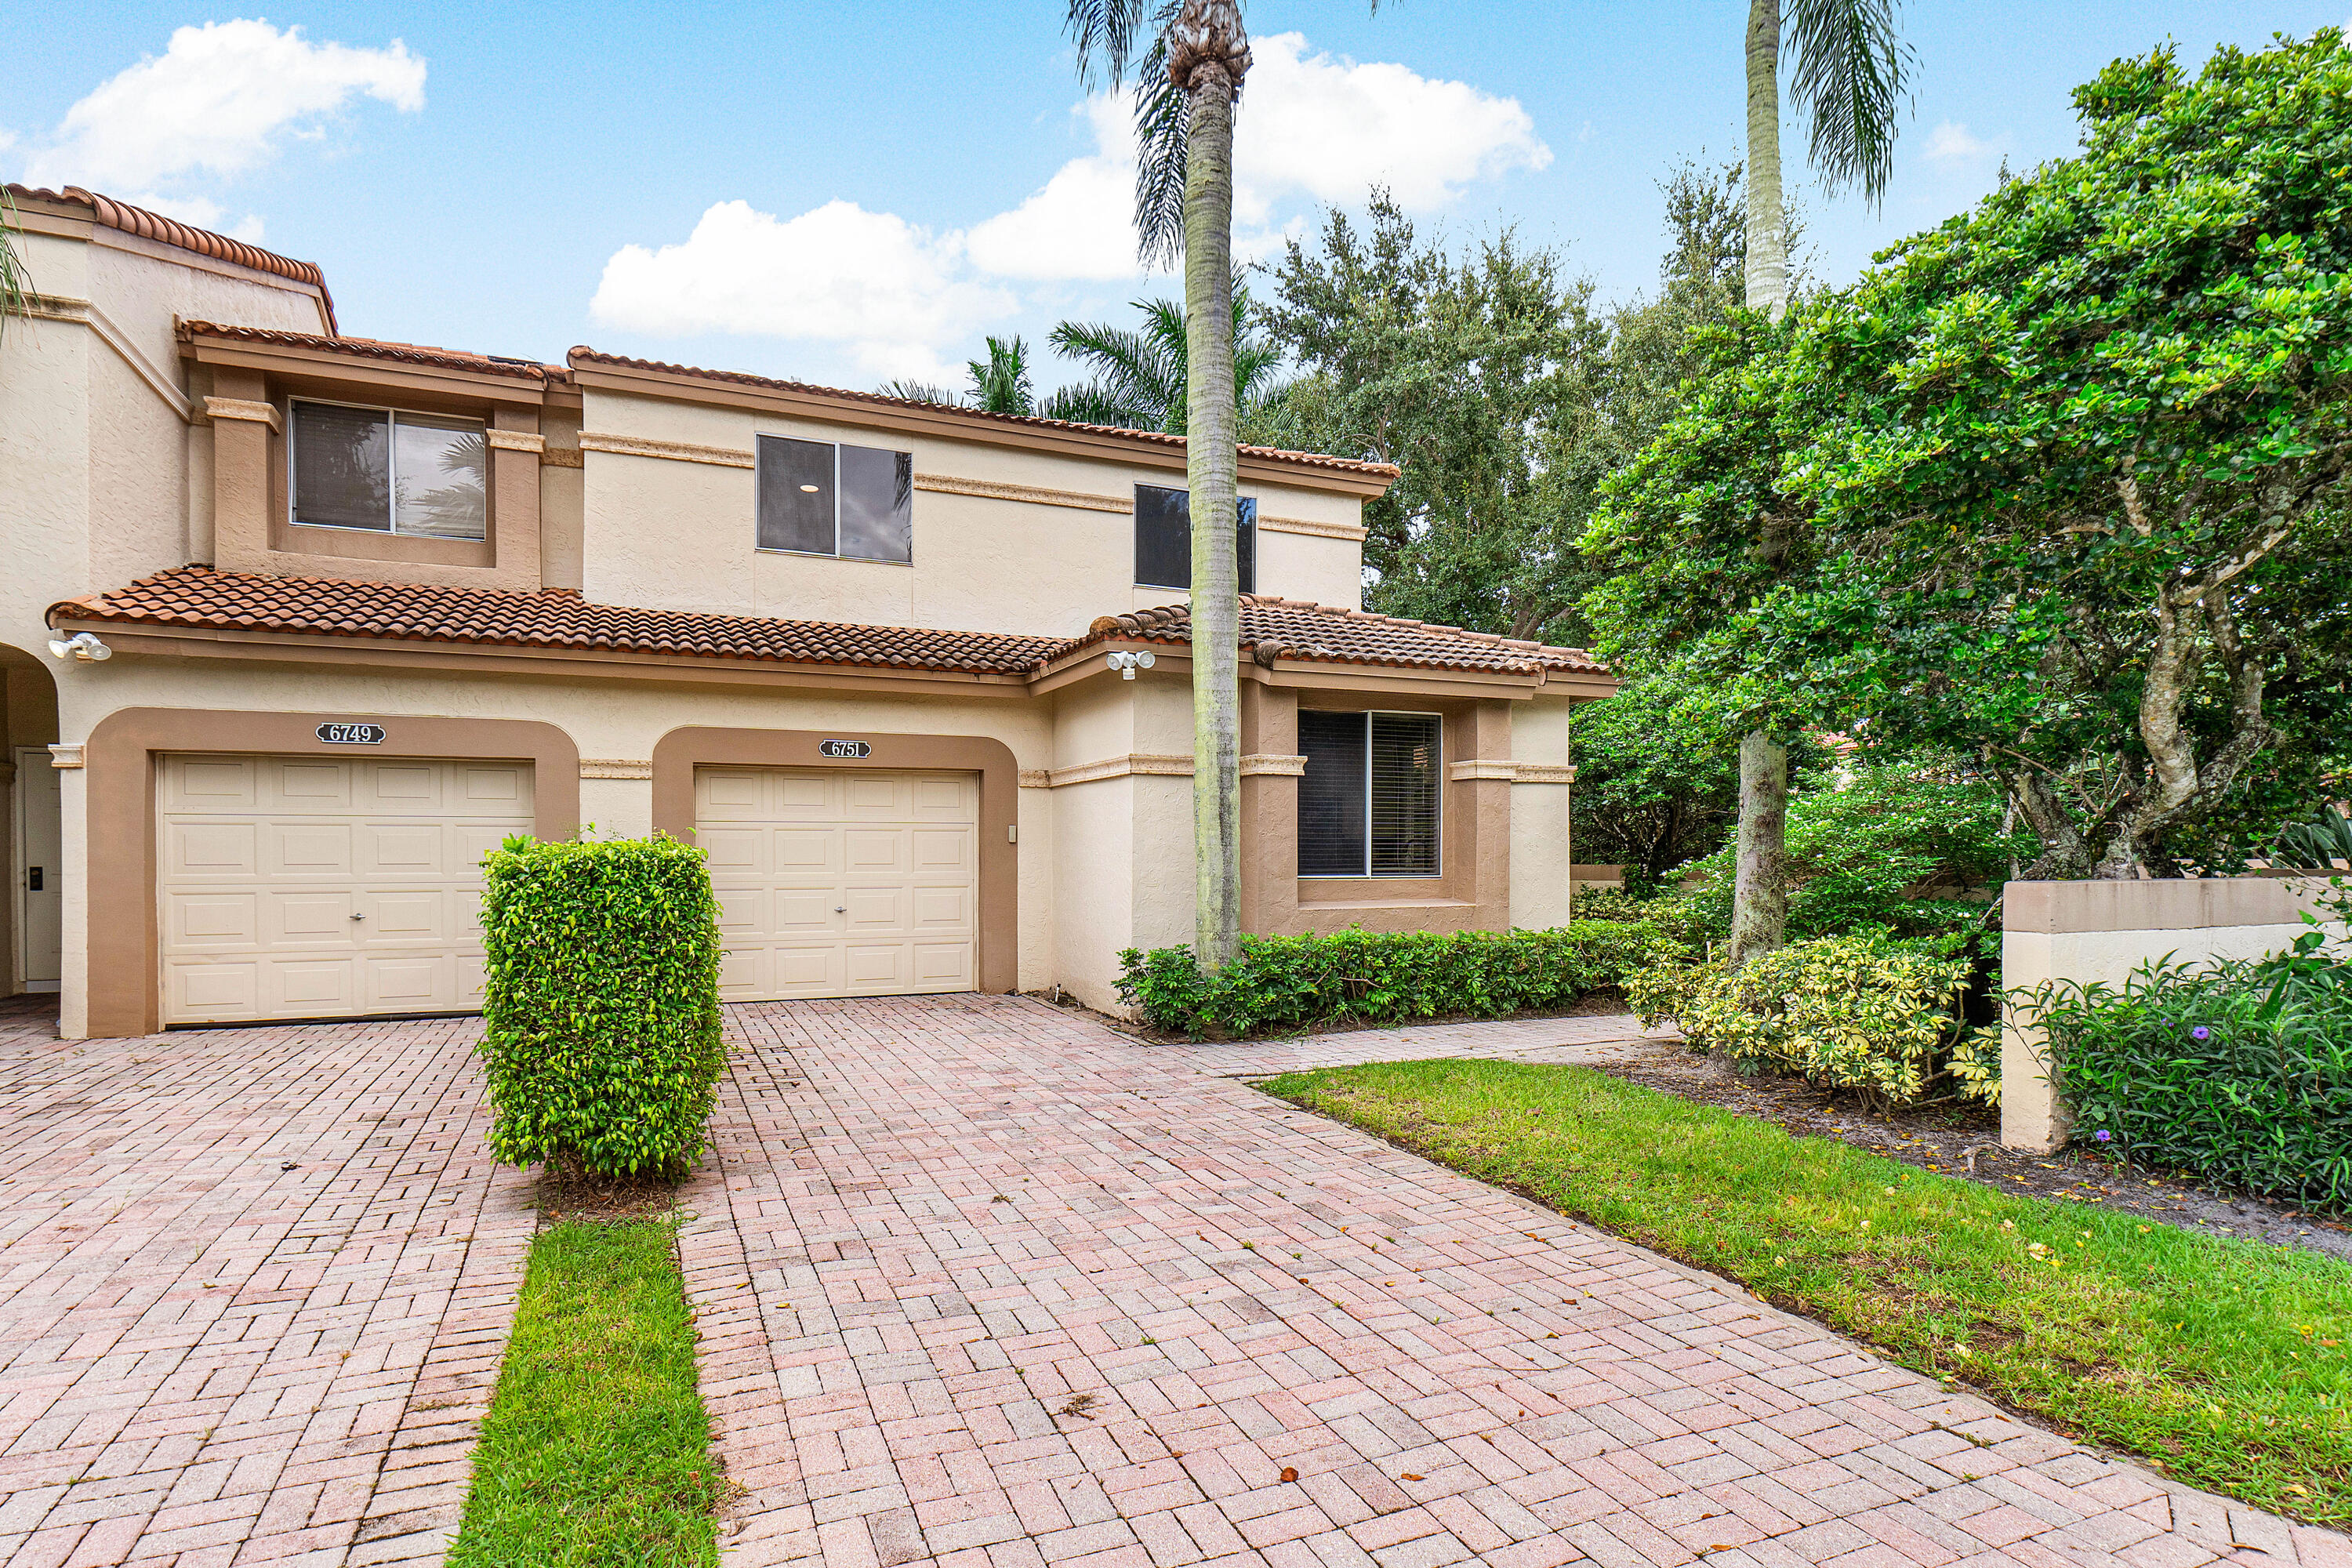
{"x":111,"y":213}
{"x":1034,"y":421}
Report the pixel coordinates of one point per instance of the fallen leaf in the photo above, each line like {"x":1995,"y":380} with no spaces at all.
{"x":1289,"y":1472}
{"x":1409,"y":1476}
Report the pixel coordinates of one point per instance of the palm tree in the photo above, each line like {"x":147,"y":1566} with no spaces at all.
{"x":1196,"y":54}
{"x":1001,"y":384}
{"x":1850,"y":67}
{"x":1141,"y":374}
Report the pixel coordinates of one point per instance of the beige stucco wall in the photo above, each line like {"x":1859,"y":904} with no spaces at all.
{"x":1540,"y":852}
{"x":2101,"y":931}
{"x":682,"y":535}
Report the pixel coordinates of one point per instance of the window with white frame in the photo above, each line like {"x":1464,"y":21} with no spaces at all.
{"x":388,"y":470}
{"x":1368,"y":804}
{"x":1163,"y":539}
{"x":817,"y":497}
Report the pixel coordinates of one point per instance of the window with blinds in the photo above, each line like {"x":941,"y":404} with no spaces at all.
{"x":1163,"y":539}
{"x":1369,"y":805}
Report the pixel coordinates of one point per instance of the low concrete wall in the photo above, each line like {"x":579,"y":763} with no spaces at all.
{"x":2086,"y":931}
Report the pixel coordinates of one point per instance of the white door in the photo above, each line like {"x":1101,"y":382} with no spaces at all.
{"x":327,"y":887}
{"x":842,"y":883}
{"x":39,"y":871}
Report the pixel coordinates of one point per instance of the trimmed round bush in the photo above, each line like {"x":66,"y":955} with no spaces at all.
{"x":602,"y":1045}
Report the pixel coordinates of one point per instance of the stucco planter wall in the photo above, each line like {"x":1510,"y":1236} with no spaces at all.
{"x":2086,"y":931}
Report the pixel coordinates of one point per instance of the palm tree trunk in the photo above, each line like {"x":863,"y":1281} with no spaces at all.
{"x":1759,"y":897}
{"x":1767,"y":239}
{"x":1212,"y":460}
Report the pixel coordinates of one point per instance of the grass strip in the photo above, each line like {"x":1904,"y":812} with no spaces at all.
{"x":2221,"y":1362}
{"x":596,"y":1449}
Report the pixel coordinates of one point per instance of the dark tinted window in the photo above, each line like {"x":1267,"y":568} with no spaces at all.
{"x":797,"y":502}
{"x":1405,"y":794}
{"x":342,"y":467}
{"x":1331,"y":795}
{"x":878,"y":504}
{"x":1163,"y":539}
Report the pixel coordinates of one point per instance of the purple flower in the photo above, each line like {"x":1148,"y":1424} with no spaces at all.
{"x":2200,"y":1033}
{"x":2103,"y":1135}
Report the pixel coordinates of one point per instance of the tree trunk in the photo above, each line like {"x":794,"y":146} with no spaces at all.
{"x":1759,"y":892}
{"x":1212,"y":461}
{"x":1759,"y":897}
{"x":1767,"y":239}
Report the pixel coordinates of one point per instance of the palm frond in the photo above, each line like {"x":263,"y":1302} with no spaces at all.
{"x":916,"y":392}
{"x":15,"y":281}
{"x":1105,"y":33}
{"x":1001,"y":384}
{"x":1851,"y":78}
{"x":1162,"y":135}
{"x":1090,"y":402}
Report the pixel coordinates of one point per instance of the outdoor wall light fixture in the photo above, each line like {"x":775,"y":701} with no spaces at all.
{"x":1127,"y":664}
{"x":83,"y":645}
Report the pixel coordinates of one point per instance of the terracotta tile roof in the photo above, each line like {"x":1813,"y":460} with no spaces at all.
{"x":376,"y":348}
{"x":1154,"y":438}
{"x":123,"y":216}
{"x":198,"y":596}
{"x":1300,"y":630}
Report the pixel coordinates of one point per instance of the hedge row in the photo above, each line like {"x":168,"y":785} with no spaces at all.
{"x":602,"y":1046}
{"x":1279,"y":982}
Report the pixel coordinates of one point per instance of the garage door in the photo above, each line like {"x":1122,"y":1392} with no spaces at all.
{"x":841,"y":882}
{"x":327,"y":887}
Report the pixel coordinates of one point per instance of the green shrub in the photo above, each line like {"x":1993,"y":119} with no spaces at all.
{"x":1277,"y":983}
{"x":2239,"y":1074}
{"x":603,"y":1044}
{"x":1668,"y":915}
{"x":1857,"y":1013}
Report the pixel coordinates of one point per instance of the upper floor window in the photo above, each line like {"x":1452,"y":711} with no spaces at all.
{"x":820,"y":499}
{"x":1163,"y":539}
{"x":389,"y":471}
{"x":1368,"y":806}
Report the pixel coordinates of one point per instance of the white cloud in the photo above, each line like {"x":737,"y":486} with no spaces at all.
{"x":1951,"y":142}
{"x":1330,"y":128}
{"x":218,"y":101}
{"x":891,"y":293}
{"x":1311,"y":125}
{"x":1080,"y":224}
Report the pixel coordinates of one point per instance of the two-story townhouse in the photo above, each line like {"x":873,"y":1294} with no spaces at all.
{"x":294,"y":626}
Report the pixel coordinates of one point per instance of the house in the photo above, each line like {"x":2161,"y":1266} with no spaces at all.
{"x":294,"y":626}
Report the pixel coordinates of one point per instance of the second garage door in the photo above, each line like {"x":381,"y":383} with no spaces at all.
{"x":322,"y":887}
{"x":842,"y":883}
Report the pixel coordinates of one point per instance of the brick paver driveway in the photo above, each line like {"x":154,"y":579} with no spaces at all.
{"x":980,"y":1282}
{"x":986,"y":1283}
{"x":254,"y":1288}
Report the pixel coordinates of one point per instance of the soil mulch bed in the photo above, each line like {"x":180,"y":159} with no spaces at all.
{"x":565,"y":1192}
{"x":1938,"y":1138}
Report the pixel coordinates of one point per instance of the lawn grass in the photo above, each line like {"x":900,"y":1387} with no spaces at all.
{"x":596,"y":1449}
{"x":2221,"y":1362}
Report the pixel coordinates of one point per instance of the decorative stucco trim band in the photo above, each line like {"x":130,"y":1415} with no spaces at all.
{"x":67,"y":756}
{"x":562,"y":458}
{"x":1350,"y":530}
{"x":1471,"y":768}
{"x":615,"y":768}
{"x":1150,"y":763}
{"x":1037,"y":778}
{"x":518,"y":441}
{"x":243,"y":408}
{"x":1037,"y":495}
{"x":675,"y":451}
{"x":1260,"y":763}
{"x":1544,"y":774}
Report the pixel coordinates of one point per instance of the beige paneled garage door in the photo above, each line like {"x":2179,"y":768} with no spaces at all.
{"x":327,"y":887}
{"x":841,"y":882}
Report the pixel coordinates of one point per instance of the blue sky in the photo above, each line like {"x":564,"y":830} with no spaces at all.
{"x":845,"y":192}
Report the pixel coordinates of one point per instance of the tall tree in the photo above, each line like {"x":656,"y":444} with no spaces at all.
{"x":1196,"y":55}
{"x":1848,"y":84}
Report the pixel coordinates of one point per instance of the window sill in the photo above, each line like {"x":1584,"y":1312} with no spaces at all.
{"x":827,"y":555}
{"x":1313,"y":906}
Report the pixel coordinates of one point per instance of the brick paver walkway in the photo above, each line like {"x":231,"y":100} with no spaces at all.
{"x":985,"y":1283}
{"x":254,"y":1288}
